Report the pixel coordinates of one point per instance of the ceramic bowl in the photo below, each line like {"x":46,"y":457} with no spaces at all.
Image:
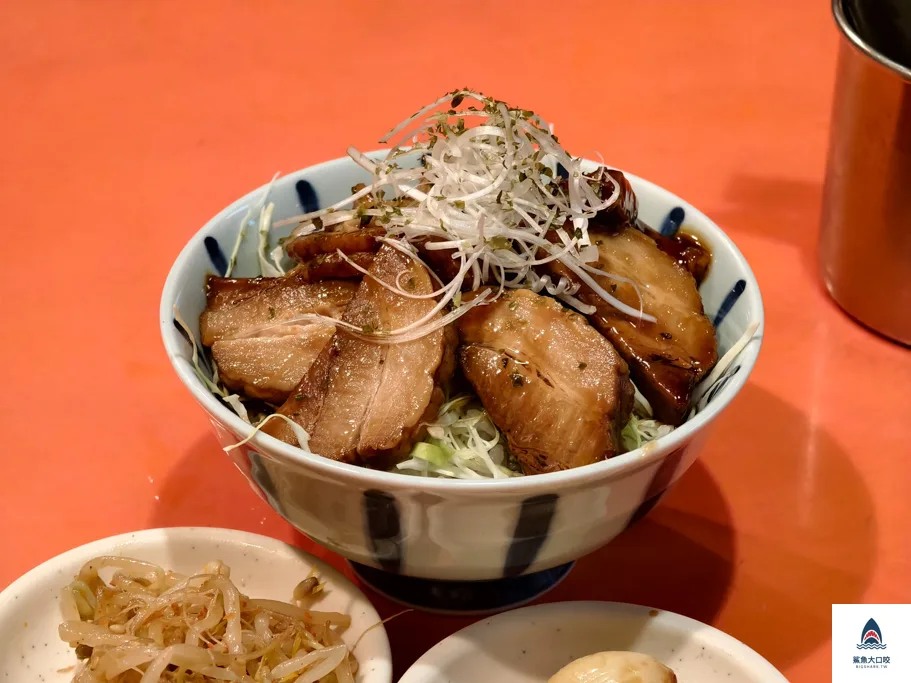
{"x":503,"y":648}
{"x":457,"y":530}
{"x":261,"y":567}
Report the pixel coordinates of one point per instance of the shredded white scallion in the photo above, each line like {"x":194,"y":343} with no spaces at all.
{"x":303,"y":438}
{"x":477,"y":180}
{"x":489,"y":192}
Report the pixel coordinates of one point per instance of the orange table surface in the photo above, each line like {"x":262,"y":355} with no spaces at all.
{"x":126,"y":125}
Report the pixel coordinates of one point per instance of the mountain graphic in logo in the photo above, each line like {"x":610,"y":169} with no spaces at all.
{"x":872,"y":638}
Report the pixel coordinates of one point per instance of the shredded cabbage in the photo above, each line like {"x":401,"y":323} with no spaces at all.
{"x":464,"y":443}
{"x":211,"y":380}
{"x":705,"y":386}
{"x":639,"y":431}
{"x":267,"y":268}
{"x":252,"y":217}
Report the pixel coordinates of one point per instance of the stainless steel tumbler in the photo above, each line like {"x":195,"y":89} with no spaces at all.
{"x":865,"y":236}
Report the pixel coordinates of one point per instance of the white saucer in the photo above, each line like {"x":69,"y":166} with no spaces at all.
{"x":531,"y":644}
{"x":30,"y":649}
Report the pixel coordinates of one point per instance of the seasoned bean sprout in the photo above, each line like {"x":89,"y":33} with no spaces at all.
{"x":149,"y":625}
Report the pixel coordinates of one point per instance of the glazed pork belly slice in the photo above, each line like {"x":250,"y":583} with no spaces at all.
{"x":319,"y":255}
{"x":269,"y":368}
{"x":624,"y":211}
{"x":684,"y":248}
{"x":304,"y":247}
{"x":667,"y":357}
{"x":234,"y":306}
{"x":357,"y":238}
{"x":360,"y":246}
{"x":362,"y":399}
{"x":551,"y":383}
{"x":334,"y":267}
{"x":441,"y":261}
{"x":268,"y":363}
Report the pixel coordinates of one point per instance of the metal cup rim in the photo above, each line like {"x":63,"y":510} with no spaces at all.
{"x":848,"y":31}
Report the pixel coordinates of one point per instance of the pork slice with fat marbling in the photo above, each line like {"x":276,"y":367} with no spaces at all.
{"x":258,"y":349}
{"x":363,"y":398}
{"x":666,"y":357}
{"x":307,"y":246}
{"x":235,"y":306}
{"x":269,"y":368}
{"x":551,"y":383}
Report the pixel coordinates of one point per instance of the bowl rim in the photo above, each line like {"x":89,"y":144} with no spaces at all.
{"x":461,"y":640}
{"x":295,"y":457}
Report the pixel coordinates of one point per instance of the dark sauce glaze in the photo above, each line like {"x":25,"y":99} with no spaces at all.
{"x":665,"y":378}
{"x":685,"y":247}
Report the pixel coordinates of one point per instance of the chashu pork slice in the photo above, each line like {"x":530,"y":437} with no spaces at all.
{"x":256,"y":351}
{"x":684,"y":247}
{"x":361,"y":398}
{"x":551,"y":383}
{"x":269,"y":368}
{"x":234,"y":306}
{"x":625,"y":210}
{"x":333,"y":267}
{"x":667,"y":357}
{"x":360,"y":240}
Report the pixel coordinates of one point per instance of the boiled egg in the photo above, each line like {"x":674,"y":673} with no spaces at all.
{"x":615,"y":667}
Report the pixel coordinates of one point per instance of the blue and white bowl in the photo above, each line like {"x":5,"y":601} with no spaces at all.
{"x":438,"y":528}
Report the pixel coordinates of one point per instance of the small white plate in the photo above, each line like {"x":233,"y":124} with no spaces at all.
{"x":531,"y":644}
{"x":31,"y":650}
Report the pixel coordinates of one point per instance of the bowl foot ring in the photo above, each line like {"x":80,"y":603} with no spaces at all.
{"x":461,"y":597}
